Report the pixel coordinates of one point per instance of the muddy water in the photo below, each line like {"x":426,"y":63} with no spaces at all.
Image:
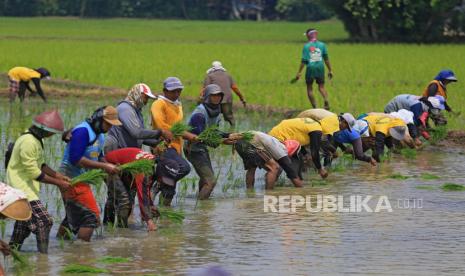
{"x":233,"y":230}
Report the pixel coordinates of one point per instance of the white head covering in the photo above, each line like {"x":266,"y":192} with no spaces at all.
{"x":8,"y":195}
{"x":216,"y":65}
{"x":404,"y":115}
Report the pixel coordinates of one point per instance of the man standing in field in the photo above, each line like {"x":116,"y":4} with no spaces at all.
{"x":217,"y":75}
{"x":313,"y":55}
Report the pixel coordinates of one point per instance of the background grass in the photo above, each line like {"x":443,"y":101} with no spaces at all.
{"x":262,"y":57}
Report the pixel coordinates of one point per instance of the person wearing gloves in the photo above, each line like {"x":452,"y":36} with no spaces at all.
{"x":438,"y":86}
{"x":19,"y":78}
{"x":305,"y":131}
{"x":268,"y":153}
{"x":217,"y":75}
{"x":421,"y":107}
{"x":84,"y":151}
{"x":26,"y":168}
{"x":172,"y":167}
{"x":13,"y":205}
{"x":131,"y":134}
{"x":384,"y":128}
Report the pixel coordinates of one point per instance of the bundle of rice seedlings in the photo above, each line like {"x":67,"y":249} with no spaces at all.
{"x":179,"y":128}
{"x":438,"y":134}
{"x":398,"y":176}
{"x":113,"y":260}
{"x":78,"y":268}
{"x":174,"y":216}
{"x":211,"y":136}
{"x":141,"y":166}
{"x":428,"y":176}
{"x":19,"y":258}
{"x":93,"y":177}
{"x":294,"y":80}
{"x":452,"y":187}
{"x":247,"y":136}
{"x":409,"y":153}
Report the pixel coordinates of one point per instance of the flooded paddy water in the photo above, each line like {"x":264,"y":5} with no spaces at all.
{"x":233,"y":230}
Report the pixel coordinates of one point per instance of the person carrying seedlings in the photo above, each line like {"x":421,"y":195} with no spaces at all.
{"x":26,"y":168}
{"x":14,"y":205}
{"x":314,"y":54}
{"x":139,"y":184}
{"x":383,"y":129}
{"x":205,"y":115}
{"x":217,"y":75}
{"x":421,"y":107}
{"x":266,"y":152}
{"x":19,"y":78}
{"x":167,"y":111}
{"x":84,"y":151}
{"x":305,"y":131}
{"x":131,"y":134}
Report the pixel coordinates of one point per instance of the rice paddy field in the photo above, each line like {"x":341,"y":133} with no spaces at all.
{"x":262,"y":57}
{"x":232,"y":229}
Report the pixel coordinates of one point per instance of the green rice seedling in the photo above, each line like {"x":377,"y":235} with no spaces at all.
{"x":425,"y":187}
{"x":398,"y":176}
{"x":438,"y":134}
{"x":294,"y":80}
{"x":247,"y":136}
{"x":141,"y":166}
{"x":80,"y":269}
{"x":93,"y":177}
{"x":172,"y":215}
{"x":408,"y":153}
{"x":452,"y":187}
{"x":211,"y":136}
{"x":19,"y":258}
{"x":179,"y":128}
{"x":428,"y":176}
{"x":113,"y":260}
{"x":3,"y":227}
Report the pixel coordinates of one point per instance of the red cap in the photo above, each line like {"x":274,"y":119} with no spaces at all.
{"x":292,"y":146}
{"x":49,"y":121}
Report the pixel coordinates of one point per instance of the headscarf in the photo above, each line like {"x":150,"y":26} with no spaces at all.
{"x":135,"y":96}
{"x":216,"y":65}
{"x":213,"y":110}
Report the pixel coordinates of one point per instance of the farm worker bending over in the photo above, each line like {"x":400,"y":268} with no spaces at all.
{"x":217,"y":75}
{"x":314,"y":54}
{"x":140,"y":185}
{"x":421,"y":107}
{"x":13,"y":205}
{"x":438,"y":85}
{"x":267,"y":152}
{"x":26,"y":169}
{"x":131,"y":133}
{"x":166,"y":111}
{"x":19,"y":81}
{"x":83,"y":152}
{"x":305,"y":131}
{"x":205,"y":115}
{"x":383,"y":128}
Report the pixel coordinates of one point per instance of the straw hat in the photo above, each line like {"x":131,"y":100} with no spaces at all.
{"x":14,"y":203}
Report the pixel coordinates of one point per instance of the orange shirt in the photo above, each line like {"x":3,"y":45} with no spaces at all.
{"x":441,"y":90}
{"x":164,"y":115}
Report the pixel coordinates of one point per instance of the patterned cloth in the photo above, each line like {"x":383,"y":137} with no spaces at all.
{"x":13,"y":89}
{"x":135,"y":96}
{"x":39,"y":224}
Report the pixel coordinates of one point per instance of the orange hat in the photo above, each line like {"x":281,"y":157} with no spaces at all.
{"x":292,"y":146}
{"x":49,"y":121}
{"x":110,"y":115}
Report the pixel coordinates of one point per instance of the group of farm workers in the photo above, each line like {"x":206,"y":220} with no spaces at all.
{"x":112,"y":136}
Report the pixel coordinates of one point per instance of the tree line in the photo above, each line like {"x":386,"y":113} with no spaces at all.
{"x":364,"y":20}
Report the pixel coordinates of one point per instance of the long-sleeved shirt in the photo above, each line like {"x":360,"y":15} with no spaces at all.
{"x":24,"y":169}
{"x":165,"y":114}
{"x":132,"y":132}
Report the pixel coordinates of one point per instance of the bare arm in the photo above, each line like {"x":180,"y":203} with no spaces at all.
{"x":250,"y":178}
{"x":108,"y":167}
{"x":299,"y":72}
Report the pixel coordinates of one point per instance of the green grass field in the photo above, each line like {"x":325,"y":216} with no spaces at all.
{"x":262,"y":57}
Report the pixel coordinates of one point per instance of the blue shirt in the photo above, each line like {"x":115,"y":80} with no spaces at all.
{"x":78,"y":144}
{"x":346,"y":136}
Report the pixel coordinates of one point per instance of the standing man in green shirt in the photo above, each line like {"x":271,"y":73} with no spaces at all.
{"x":313,"y":55}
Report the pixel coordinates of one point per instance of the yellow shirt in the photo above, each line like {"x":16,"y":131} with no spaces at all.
{"x":382,"y":123}
{"x":328,"y":120}
{"x":164,"y":115}
{"x":25,"y":165}
{"x":296,"y":129}
{"x":23,"y":74}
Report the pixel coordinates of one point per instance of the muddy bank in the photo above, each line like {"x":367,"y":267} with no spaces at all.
{"x":58,"y":88}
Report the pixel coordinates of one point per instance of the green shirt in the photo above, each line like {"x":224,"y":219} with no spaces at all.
{"x":25,"y":165}
{"x":313,"y":55}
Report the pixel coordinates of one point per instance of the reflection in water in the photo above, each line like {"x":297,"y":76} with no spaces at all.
{"x":233,"y":231}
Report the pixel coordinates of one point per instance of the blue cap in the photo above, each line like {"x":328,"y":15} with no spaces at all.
{"x":446,"y":75}
{"x":172,"y":83}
